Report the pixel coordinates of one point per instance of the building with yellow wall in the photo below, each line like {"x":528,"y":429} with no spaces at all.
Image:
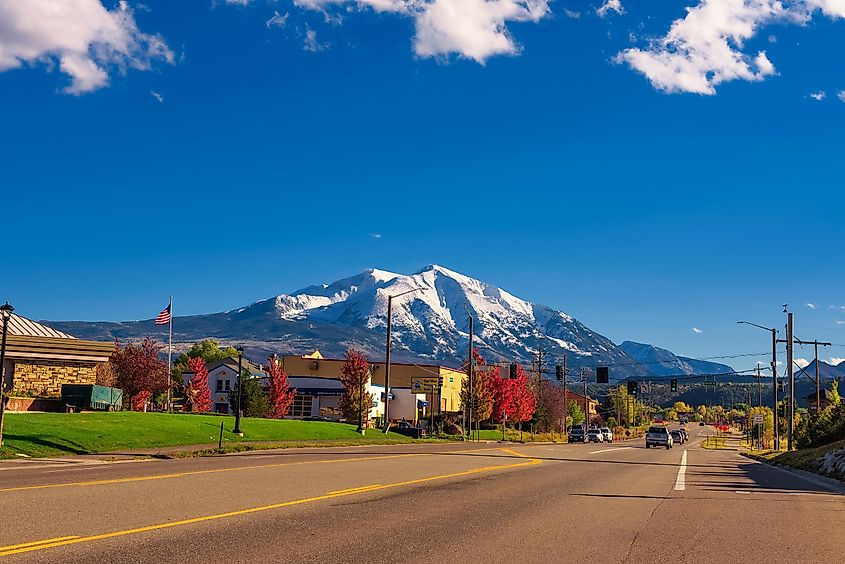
{"x":317,"y":380}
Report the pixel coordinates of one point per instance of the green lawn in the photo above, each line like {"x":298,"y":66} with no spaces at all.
{"x":61,"y":434}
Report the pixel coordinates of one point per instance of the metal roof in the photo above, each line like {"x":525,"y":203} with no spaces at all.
{"x":24,"y":327}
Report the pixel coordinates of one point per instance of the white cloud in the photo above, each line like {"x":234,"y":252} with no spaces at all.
{"x":87,"y":39}
{"x":697,"y":330}
{"x":473,"y":29}
{"x":311,"y":43}
{"x":375,"y":235}
{"x":841,"y":95}
{"x":801,"y":362}
{"x":239,"y":2}
{"x":277,"y":20}
{"x":840,"y":322}
{"x":159,"y":97}
{"x":702,"y":49}
{"x":610,"y":6}
{"x":773,"y":39}
{"x":818,"y":97}
{"x":571,"y":14}
{"x":811,"y":306}
{"x":835,"y":361}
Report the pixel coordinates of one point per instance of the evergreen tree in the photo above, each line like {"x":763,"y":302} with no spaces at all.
{"x":254,"y":400}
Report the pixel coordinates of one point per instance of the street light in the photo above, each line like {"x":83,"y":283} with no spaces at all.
{"x":6,"y":313}
{"x":237,"y":429}
{"x":776,"y":434}
{"x":387,"y":357}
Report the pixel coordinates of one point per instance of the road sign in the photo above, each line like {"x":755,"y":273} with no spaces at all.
{"x":759,"y":419}
{"x":422,"y":384}
{"x":421,"y":403}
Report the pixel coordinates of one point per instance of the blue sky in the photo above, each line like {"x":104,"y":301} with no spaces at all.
{"x":209,"y":151}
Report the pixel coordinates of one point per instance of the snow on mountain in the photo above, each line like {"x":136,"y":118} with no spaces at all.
{"x":430,"y":321}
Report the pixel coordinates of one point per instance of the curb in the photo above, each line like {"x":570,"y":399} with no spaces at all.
{"x":818,"y":479}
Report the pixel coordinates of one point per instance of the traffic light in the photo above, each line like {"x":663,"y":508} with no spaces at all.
{"x":674,"y":384}
{"x":602,"y":374}
{"x":633,"y":388}
{"x":559,"y":373}
{"x":513,"y":371}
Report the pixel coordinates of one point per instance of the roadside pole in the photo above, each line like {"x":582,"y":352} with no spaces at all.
{"x":789,"y":352}
{"x":565,"y":400}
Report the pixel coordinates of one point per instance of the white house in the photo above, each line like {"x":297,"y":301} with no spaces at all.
{"x":222,"y":377}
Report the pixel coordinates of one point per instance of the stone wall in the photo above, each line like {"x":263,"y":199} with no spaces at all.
{"x":45,"y":378}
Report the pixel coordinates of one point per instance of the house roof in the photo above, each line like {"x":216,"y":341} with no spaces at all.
{"x":233,"y":364}
{"x":825,"y":394}
{"x":23,"y":327}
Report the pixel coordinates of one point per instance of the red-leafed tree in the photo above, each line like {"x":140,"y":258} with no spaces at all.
{"x":503,"y":404}
{"x":281,"y":397}
{"x":524,"y":400}
{"x":139,"y":369}
{"x":139,"y":400}
{"x":483,"y":388}
{"x":198,"y":393}
{"x":355,"y":373}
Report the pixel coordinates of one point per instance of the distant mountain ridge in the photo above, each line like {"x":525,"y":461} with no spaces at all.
{"x":663,"y":363}
{"x":430,"y":321}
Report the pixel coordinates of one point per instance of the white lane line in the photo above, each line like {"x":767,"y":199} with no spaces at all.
{"x":680,"y":483}
{"x":610,"y":449}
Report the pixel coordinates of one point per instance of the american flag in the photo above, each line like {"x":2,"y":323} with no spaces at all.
{"x":163,"y":317}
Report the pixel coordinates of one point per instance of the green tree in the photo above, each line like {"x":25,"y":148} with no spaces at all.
{"x":209,"y":350}
{"x":576,"y":414}
{"x":254,"y":399}
{"x":834,"y":393}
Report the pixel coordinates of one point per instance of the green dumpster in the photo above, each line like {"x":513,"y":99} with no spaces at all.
{"x":90,"y":396}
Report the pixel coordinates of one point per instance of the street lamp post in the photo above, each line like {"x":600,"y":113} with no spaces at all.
{"x":6,"y":312}
{"x":776,"y":434}
{"x":387,"y":357}
{"x":237,"y":429}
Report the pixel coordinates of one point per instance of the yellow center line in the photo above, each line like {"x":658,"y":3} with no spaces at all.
{"x":222,"y":470}
{"x":53,"y":543}
{"x":359,"y":489}
{"x":33,"y":543}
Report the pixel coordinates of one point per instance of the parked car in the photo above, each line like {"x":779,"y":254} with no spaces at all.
{"x":658,"y":436}
{"x":405,"y":428}
{"x":685,"y":434}
{"x":677,"y":436}
{"x":608,"y":434}
{"x":576,"y":435}
{"x":595,"y":436}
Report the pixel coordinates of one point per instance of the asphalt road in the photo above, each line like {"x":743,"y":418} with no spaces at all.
{"x":417,"y":503}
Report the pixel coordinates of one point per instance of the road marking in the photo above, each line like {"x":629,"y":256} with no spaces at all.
{"x":610,"y":449}
{"x":742,"y":492}
{"x":680,"y":483}
{"x":359,"y":489}
{"x":233,"y":469}
{"x":63,"y":541}
{"x":35,"y":543}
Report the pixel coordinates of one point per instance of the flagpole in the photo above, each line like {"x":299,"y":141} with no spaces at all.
{"x":170,"y":354}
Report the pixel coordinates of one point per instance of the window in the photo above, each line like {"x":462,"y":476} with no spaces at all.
{"x":301,"y":406}
{"x":227,"y":385}
{"x":219,"y":385}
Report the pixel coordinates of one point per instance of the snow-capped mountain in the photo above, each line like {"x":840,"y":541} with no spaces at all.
{"x":430,"y":321}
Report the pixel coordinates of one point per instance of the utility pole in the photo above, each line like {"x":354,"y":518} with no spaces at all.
{"x":565,"y":400}
{"x":387,"y":366}
{"x":586,"y":402}
{"x":790,"y":320}
{"x":775,"y":421}
{"x":818,"y":393}
{"x":470,"y":376}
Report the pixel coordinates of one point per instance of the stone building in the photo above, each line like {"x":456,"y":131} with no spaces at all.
{"x":40,"y":359}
